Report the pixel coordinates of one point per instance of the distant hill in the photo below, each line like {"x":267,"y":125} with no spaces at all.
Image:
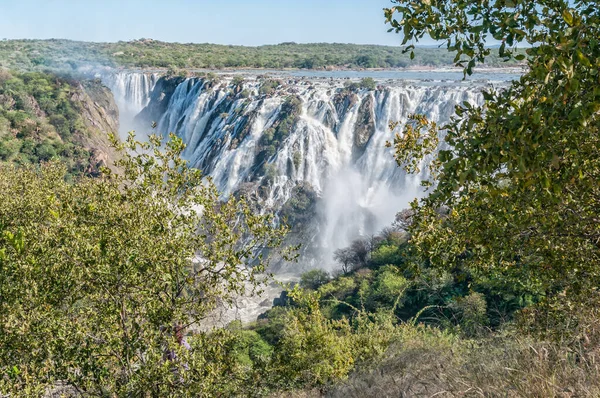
{"x":148,"y":53}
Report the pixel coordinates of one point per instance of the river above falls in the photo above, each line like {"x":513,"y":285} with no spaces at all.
{"x":448,"y":75}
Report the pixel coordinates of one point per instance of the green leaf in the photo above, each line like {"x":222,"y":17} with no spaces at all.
{"x":568,"y":17}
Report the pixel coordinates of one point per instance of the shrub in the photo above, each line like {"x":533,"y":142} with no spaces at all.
{"x":389,"y":287}
{"x":237,"y":80}
{"x":368,"y":83}
{"x":470,"y":312}
{"x":268,"y":87}
{"x":297,"y":159}
{"x":313,"y":350}
{"x":314,"y":279}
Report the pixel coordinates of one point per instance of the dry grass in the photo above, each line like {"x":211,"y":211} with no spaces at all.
{"x":315,"y":393}
{"x":500,"y":367}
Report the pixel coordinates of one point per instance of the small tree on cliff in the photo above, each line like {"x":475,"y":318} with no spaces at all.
{"x":100,"y":279}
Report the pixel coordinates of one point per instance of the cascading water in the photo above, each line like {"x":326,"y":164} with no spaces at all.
{"x":132,"y":93}
{"x":335,"y":142}
{"x":305,"y":135}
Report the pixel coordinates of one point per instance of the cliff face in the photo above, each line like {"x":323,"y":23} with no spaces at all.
{"x":100,"y":115}
{"x":45,"y":117}
{"x":365,"y":126}
{"x":158,"y":101}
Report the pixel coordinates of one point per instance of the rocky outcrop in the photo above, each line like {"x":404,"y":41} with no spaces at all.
{"x":98,"y":160}
{"x":159,"y":99}
{"x":30,"y":104}
{"x":7,"y":101}
{"x":100,"y":115}
{"x":343,"y":101}
{"x":365,"y":125}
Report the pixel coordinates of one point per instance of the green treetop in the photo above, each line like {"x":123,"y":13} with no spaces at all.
{"x":515,"y":192}
{"x":102,"y":278}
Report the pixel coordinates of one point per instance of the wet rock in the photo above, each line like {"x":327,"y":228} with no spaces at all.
{"x":365,"y":125}
{"x":344,"y":100}
{"x":159,"y":100}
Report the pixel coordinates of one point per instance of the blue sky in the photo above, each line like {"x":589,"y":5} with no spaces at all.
{"x":246,"y":22}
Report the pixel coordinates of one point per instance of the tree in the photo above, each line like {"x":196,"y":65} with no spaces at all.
{"x":101,"y":279}
{"x":356,"y":256}
{"x":345,"y":257}
{"x":314,"y":279}
{"x":514,"y":193}
{"x":368,"y":83}
{"x":361,"y":248}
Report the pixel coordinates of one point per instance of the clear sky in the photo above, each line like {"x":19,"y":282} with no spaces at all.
{"x":246,"y":22}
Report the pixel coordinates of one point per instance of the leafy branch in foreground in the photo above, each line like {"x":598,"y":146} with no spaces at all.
{"x":101,"y":279}
{"x":518,"y":175}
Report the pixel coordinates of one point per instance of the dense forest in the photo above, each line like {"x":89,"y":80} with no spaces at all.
{"x":147,"y":53}
{"x":487,"y":286}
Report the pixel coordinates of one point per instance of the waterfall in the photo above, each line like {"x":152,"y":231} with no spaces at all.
{"x":131,"y":91}
{"x":336,"y":143}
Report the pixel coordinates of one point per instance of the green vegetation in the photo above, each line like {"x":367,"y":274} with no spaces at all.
{"x":147,"y":53}
{"x":269,"y":86}
{"x":380,"y":273}
{"x":515,"y":197}
{"x":281,"y":129}
{"x":42,"y":118}
{"x":486,"y":287}
{"x":101,"y":278}
{"x":300,"y":209}
{"x":366,"y":83}
{"x":314,"y":279}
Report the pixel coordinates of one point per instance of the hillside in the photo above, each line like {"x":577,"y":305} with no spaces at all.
{"x":147,"y":53}
{"x":44,"y":116}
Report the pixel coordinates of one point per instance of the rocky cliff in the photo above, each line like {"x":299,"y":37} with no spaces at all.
{"x":45,"y":116}
{"x":100,"y":115}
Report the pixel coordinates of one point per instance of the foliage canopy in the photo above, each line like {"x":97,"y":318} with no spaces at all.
{"x":102,"y":278}
{"x":514,"y":190}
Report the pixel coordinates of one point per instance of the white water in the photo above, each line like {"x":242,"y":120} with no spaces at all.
{"x":360,"y":190}
{"x":132,"y":93}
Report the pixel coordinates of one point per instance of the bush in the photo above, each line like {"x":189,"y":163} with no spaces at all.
{"x":388,"y":288}
{"x":270,"y":171}
{"x":313,"y":350}
{"x":368,"y":83}
{"x":470,"y":312}
{"x":268,"y":87}
{"x":237,"y":80}
{"x":300,"y":209}
{"x":387,"y":254}
{"x":314,"y":279}
{"x":338,"y":288}
{"x":45,"y":151}
{"x":297,"y":159}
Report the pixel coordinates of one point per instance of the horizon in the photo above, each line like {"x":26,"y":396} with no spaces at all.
{"x":418,"y":45}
